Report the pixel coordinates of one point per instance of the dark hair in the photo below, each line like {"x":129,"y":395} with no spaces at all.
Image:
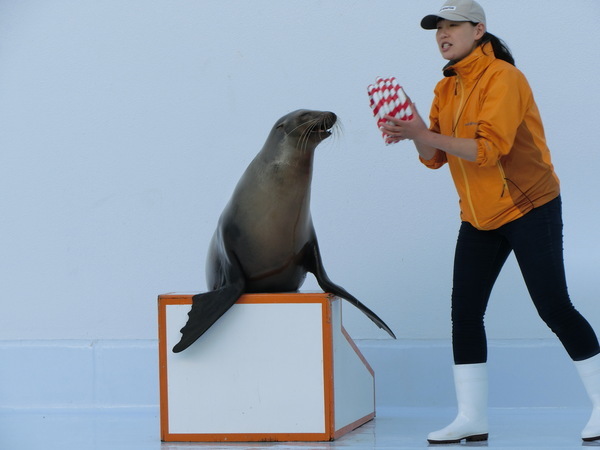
{"x":501,"y":50}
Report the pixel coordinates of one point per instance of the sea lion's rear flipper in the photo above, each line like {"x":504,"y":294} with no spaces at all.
{"x":209,"y":306}
{"x":314,"y":264}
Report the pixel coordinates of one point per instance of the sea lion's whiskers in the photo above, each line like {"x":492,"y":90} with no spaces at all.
{"x":337,"y":129}
{"x":300,"y":125}
{"x":305,"y":135}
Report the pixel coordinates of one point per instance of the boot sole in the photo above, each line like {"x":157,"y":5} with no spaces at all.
{"x":473,"y":438}
{"x":590,"y":439}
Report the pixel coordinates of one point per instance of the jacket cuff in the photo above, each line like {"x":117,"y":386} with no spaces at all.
{"x":483,"y":154}
{"x":436,"y":162}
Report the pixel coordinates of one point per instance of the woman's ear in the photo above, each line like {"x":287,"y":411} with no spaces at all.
{"x":479,"y":30}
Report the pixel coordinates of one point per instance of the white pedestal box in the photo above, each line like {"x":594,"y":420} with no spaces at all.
{"x":275,"y":367}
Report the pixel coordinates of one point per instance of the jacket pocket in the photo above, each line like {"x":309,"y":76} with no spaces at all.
{"x":503,"y":179}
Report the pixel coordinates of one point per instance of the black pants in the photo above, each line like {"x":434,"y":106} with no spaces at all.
{"x":537,"y":241}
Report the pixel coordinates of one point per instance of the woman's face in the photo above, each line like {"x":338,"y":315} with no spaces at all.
{"x":457,"y":39}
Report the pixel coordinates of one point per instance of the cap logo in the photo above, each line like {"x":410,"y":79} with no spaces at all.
{"x":448,"y":8}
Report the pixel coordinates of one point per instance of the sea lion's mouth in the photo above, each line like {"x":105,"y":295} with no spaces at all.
{"x":325,"y":125}
{"x":322,"y":131}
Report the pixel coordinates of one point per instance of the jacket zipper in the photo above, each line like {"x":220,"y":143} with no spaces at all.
{"x":460,"y":162}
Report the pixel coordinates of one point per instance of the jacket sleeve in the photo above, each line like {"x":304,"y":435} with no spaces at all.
{"x":439,"y":159}
{"x":504,"y":102}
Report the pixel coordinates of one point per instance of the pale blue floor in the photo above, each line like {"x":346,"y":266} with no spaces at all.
{"x":524,"y":428}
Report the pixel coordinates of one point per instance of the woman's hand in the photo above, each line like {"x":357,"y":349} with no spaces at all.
{"x":427,"y":142}
{"x":399,"y":130}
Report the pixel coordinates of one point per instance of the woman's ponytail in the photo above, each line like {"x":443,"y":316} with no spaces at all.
{"x":501,"y":50}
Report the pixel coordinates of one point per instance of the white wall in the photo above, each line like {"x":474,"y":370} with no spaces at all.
{"x":124,"y":126}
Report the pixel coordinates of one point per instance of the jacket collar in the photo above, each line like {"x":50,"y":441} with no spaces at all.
{"x":477,"y":61}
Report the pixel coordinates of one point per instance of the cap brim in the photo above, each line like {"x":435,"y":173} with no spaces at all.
{"x":430,"y":22}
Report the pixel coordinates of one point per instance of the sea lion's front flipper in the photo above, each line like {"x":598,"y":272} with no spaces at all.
{"x":314,"y":264}
{"x":206,"y":310}
{"x":209,"y":306}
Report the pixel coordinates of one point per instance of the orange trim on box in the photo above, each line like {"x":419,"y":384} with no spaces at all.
{"x":285,"y":297}
{"x":162,"y":362}
{"x":357,"y":351}
{"x":353,"y":426}
{"x":365,"y":362}
{"x":328,"y":373}
{"x":249,"y":437}
{"x":328,"y":388}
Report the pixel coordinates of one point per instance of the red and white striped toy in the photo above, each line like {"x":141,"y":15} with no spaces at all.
{"x":388,"y":98}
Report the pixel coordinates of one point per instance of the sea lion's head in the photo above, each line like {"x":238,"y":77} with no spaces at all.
{"x":305,"y":128}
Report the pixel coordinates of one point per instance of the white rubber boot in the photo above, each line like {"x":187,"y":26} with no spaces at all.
{"x":589,"y":371}
{"x":471,"y":423}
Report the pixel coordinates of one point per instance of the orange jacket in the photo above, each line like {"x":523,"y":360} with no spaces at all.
{"x":489,"y":100}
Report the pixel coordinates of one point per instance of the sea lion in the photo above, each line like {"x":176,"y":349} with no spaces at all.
{"x":265,"y":240}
